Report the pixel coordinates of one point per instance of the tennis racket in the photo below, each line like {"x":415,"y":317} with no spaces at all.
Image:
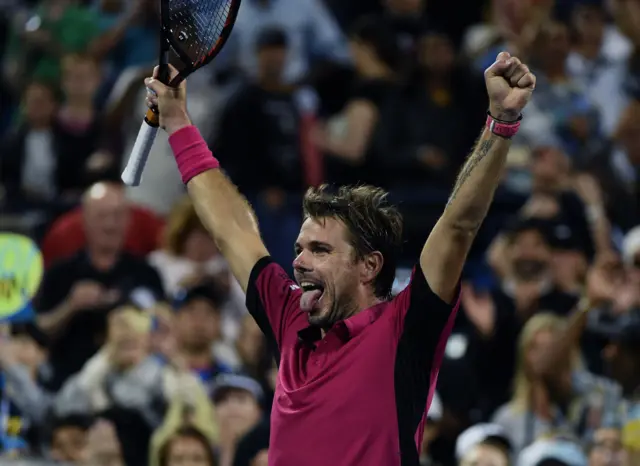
{"x":194,"y":31}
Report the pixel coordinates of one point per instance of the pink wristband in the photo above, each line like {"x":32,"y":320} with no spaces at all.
{"x":191,"y":153}
{"x":505,"y":129}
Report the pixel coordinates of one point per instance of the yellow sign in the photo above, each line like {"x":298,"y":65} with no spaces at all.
{"x":21,"y":269}
{"x":631,"y":435}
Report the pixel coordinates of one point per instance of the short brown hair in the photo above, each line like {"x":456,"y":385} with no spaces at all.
{"x":373,"y":224}
{"x":182,"y":220}
{"x":191,"y":432}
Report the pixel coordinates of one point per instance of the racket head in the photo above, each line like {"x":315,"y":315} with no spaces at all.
{"x":196,"y":31}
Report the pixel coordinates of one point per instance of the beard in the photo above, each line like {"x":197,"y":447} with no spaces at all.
{"x":529,"y":269}
{"x":338,"y":308}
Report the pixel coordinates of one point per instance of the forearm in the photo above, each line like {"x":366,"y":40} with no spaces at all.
{"x":600,"y":227}
{"x":222,"y":209}
{"x":54,"y":321}
{"x":27,"y":395}
{"x":477,"y":183}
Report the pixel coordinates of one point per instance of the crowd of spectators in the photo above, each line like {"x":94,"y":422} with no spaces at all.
{"x":142,"y":351}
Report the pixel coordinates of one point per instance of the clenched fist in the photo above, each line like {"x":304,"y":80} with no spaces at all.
{"x":171,"y":102}
{"x":509,"y":85}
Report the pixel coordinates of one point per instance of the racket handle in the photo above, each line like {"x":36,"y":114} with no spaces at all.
{"x":132,"y":174}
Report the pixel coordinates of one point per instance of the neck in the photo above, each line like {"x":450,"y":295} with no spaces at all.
{"x":540,"y":401}
{"x":103,"y":259}
{"x":589,"y":49}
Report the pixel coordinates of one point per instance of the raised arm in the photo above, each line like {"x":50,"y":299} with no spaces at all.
{"x":509,"y":85}
{"x":221,"y":208}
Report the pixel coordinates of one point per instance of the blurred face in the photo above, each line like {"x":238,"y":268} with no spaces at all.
{"x":68,"y":444}
{"x":128,"y":344}
{"x":537,"y":350}
{"x":80,"y":79}
{"x":238,"y":411}
{"x":104,"y":445}
{"x":271,"y":60}
{"x":187,"y":451}
{"x":555,"y":44}
{"x":589,"y":23}
{"x":607,"y":449}
{"x":512,"y":14}
{"x":327,"y":271}
{"x":27,"y":352}
{"x":39,"y":105}
{"x":485,"y":455}
{"x":199,"y":246}
{"x":106,"y":216}
{"x":549,"y":167}
{"x":436,"y":53}
{"x":530,"y":255}
{"x":197,"y":325}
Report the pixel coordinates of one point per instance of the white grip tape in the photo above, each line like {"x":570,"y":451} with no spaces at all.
{"x":132,"y":174}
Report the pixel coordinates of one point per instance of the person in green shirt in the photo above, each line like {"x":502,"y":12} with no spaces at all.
{"x":56,"y":28}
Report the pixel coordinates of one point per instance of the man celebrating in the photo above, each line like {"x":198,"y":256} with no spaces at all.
{"x":357,"y":369}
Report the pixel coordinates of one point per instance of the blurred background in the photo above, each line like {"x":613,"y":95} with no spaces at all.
{"x":142,"y":352}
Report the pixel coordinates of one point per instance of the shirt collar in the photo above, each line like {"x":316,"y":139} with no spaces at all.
{"x":344,"y":329}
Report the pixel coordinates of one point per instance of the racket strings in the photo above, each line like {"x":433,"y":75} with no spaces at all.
{"x":197,"y":25}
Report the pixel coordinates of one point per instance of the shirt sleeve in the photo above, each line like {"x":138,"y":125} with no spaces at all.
{"x":423,"y":320}
{"x":273,"y":299}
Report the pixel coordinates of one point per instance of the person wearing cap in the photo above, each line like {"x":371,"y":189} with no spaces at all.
{"x":237,"y":399}
{"x":485,"y":445}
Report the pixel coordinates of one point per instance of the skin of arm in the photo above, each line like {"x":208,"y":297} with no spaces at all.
{"x":224,"y":212}
{"x":509,"y":85}
{"x":52,"y":322}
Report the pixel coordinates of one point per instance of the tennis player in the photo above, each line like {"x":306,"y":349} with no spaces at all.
{"x":357,"y":369}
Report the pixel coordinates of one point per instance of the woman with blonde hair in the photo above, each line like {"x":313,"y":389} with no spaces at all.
{"x":189,"y":256}
{"x":531,"y":412}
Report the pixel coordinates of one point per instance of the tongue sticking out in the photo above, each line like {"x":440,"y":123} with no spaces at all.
{"x":309,"y":299}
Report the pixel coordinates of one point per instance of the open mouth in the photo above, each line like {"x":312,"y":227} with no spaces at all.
{"x":311,"y":286}
{"x":312,"y":293}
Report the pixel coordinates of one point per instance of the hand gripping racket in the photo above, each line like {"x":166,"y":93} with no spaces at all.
{"x":196,"y":31}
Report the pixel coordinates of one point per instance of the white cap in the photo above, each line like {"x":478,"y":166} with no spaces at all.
{"x":559,"y":450}
{"x":477,"y":434}
{"x":435,"y":410}
{"x":631,"y":245}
